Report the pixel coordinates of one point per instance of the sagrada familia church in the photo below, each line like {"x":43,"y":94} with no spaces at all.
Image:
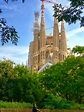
{"x":46,"y":49}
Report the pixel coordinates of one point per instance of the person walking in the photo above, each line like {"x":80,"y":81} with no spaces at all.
{"x":34,"y":109}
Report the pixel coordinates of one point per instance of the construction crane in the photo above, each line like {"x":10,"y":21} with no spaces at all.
{"x":56,"y":4}
{"x":50,"y":2}
{"x":61,"y":6}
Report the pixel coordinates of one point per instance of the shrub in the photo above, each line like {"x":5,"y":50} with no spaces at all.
{"x":15,"y":105}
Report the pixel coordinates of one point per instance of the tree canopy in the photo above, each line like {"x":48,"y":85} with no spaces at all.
{"x":78,"y":50}
{"x":72,"y":14}
{"x":56,"y":87}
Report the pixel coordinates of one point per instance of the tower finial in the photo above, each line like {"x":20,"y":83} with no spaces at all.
{"x":42,"y":8}
{"x":36,"y":23}
{"x":36,"y":15}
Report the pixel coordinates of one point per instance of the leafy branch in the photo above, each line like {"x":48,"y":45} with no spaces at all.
{"x":71,"y":14}
{"x":7,"y":33}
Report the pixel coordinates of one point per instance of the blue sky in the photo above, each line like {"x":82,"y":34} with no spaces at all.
{"x":21,"y":16}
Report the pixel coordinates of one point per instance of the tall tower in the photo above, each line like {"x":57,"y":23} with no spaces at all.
{"x":45,"y":48}
{"x":42,"y":38}
{"x":55,"y":41}
{"x":35,"y":42}
{"x":30,"y":57}
{"x":62,"y":43}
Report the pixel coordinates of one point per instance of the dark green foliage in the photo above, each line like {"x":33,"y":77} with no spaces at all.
{"x":71,"y":14}
{"x":7,"y":33}
{"x":6,"y":69}
{"x":56,"y":102}
{"x":63,"y":77}
{"x":3,"y":89}
{"x":59,"y":87}
{"x":21,"y":70}
{"x":17,"y":84}
{"x":78,"y":50}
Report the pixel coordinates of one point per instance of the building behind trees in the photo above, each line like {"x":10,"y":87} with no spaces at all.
{"x":46,"y":48}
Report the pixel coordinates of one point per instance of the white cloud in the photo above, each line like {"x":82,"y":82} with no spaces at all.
{"x":18,"y":54}
{"x":75,"y":32}
{"x":8,"y":7}
{"x":75,"y":37}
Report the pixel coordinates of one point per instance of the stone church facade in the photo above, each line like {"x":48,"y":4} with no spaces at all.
{"x":46,"y":48}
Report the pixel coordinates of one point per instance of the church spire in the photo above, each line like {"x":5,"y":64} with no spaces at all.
{"x":55,"y":41}
{"x":42,"y":36}
{"x":35,"y":42}
{"x":56,"y":34}
{"x":36,"y":23}
{"x":63,"y":39}
{"x":42,"y":28}
{"x":36,"y":32}
{"x":62,"y":43}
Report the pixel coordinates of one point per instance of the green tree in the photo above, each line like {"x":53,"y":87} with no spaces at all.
{"x":63,"y":77}
{"x":18,"y":84}
{"x":7,"y":74}
{"x":6,"y":69}
{"x":71,"y":14}
{"x":3,"y":89}
{"x":78,"y":50}
{"x":56,"y":102}
{"x":72,"y":73}
{"x":21,"y":70}
{"x":51,"y":78}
